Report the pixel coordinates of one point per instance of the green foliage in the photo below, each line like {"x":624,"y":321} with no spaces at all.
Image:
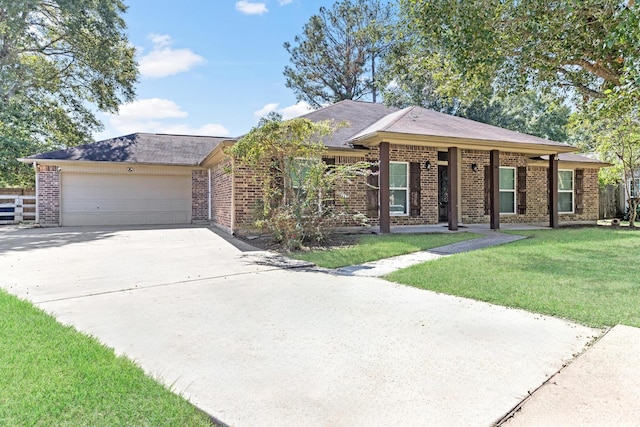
{"x":51,"y":375}
{"x":58,"y":61}
{"x":373,"y":248}
{"x":611,"y":127}
{"x":532,"y":112}
{"x":298,"y":198}
{"x":338,"y":50}
{"x":585,"y":45}
{"x":596,"y":284}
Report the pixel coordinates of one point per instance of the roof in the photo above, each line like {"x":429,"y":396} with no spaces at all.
{"x":577,"y":158}
{"x":357,"y":115}
{"x":423,"y":122}
{"x":149,"y":148}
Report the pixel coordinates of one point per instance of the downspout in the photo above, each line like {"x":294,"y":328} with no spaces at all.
{"x":35,"y":168}
{"x":209,"y":192}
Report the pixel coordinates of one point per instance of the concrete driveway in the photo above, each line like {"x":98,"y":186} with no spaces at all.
{"x":252,"y":344}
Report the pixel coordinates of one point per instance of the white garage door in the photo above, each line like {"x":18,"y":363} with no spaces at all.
{"x":104,"y":199}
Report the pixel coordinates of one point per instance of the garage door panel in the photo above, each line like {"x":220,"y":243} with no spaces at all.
{"x":102,"y":199}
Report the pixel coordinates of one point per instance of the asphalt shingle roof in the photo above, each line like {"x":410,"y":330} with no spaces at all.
{"x":424,"y":122}
{"x":182,"y":150}
{"x":356,"y":115}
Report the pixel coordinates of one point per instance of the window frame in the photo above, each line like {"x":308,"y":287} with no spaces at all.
{"x":513,"y":191}
{"x":634,"y":187}
{"x":406,"y":191}
{"x":571,"y":191}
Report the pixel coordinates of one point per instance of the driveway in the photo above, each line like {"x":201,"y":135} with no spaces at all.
{"x":252,"y":344}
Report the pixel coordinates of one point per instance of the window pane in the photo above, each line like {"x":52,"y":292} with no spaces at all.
{"x":635,"y":187}
{"x":398,"y":175}
{"x":565,"y":202}
{"x":398,"y":201}
{"x":299,"y":170}
{"x":565,"y":180}
{"x":507,"y":179}
{"x":507,"y":202}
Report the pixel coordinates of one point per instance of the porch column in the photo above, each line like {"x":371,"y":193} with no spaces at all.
{"x":453,"y":188}
{"x":494,"y":189}
{"x":553,"y":191}
{"x":385,"y":218}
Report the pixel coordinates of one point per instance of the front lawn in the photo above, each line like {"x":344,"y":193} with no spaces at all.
{"x":590,"y":275}
{"x":52,"y":375}
{"x":372,"y":248}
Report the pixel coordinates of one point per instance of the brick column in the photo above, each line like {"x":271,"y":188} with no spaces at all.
{"x":199,"y":195}
{"x":48,"y":195}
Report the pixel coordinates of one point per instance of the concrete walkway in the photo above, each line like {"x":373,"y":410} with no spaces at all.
{"x":601,"y":387}
{"x":389,"y":265}
{"x":255,"y":345}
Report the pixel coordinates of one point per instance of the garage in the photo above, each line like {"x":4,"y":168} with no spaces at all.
{"x":137,"y":179}
{"x":124,"y":199}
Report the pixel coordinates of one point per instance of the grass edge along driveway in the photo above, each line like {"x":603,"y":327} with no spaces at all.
{"x":375,"y":247}
{"x":51,"y":374}
{"x":589,"y":275}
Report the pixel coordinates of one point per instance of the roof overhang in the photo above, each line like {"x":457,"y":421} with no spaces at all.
{"x":374,"y":139}
{"x":54,"y":162}
{"x":570,"y":164}
{"x":217,"y":154}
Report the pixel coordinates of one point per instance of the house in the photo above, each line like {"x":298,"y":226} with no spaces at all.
{"x":433,"y":168}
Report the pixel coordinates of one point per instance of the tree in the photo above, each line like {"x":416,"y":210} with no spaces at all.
{"x":532,"y":112}
{"x":335,"y":57}
{"x":611,"y":127}
{"x":298,"y":194}
{"x":59,"y":60}
{"x":580,"y":45}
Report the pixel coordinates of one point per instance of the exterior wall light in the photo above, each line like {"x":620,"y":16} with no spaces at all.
{"x":427,"y":165}
{"x":474,"y":167}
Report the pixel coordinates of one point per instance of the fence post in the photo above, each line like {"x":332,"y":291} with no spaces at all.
{"x":18,"y":211}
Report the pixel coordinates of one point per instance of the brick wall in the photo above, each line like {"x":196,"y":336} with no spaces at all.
{"x":199,"y":195}
{"x":221,"y":195}
{"x":48,"y":195}
{"x":351,"y":194}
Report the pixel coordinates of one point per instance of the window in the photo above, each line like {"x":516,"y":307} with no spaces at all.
{"x":635,"y":187}
{"x":299,"y":170}
{"x":398,"y":188}
{"x":565,"y":191}
{"x":508,"y":190}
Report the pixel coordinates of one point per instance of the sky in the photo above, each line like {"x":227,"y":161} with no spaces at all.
{"x":209,"y":67}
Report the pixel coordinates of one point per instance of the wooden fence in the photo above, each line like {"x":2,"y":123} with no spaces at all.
{"x":611,"y":201}
{"x":17,"y":205}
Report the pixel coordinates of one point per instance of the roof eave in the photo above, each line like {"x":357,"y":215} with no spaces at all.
{"x":375,"y":138}
{"x":53,"y":162}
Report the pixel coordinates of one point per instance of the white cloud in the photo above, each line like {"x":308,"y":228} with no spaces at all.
{"x":266,"y":110}
{"x":295,"y":110}
{"x":287,"y":113}
{"x":155,"y":115}
{"x":165,"y":61}
{"x":249,"y":8}
{"x":151,"y":108}
{"x":209,"y":129}
{"x":283,"y":2}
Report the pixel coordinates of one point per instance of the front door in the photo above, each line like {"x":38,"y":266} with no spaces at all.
{"x":443,"y":193}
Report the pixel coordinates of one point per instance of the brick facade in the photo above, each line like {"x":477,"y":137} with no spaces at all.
{"x":222,"y":195}
{"x":48,"y":195}
{"x":199,"y":195}
{"x":351,"y":195}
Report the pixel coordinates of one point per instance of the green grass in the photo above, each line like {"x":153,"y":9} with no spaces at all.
{"x":372,"y":248}
{"x":589,"y":275}
{"x":52,"y":375}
